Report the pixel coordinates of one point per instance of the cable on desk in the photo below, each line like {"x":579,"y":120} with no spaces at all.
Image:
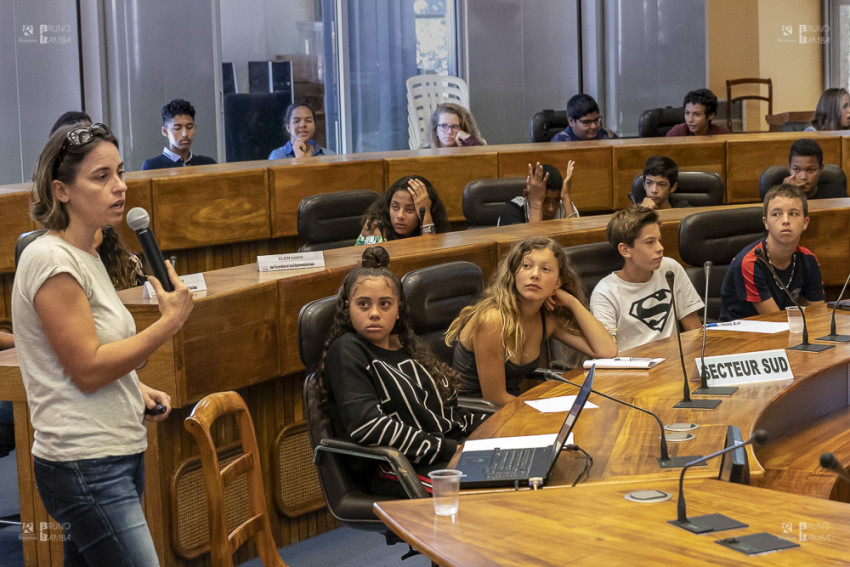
{"x":588,"y":462}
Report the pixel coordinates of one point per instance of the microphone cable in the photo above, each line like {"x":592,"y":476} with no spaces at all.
{"x":588,"y":463}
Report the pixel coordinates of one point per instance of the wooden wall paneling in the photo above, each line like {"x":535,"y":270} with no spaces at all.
{"x":749,"y":155}
{"x":15,"y":220}
{"x":832,"y":252}
{"x":198,"y":209}
{"x":591,"y":184}
{"x":704,"y":154}
{"x":448,"y":175}
{"x":845,"y":155}
{"x":138,"y":195}
{"x":288,"y":186}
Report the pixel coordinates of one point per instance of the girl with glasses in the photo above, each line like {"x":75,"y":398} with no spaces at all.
{"x":78,"y":350}
{"x":452,"y":126}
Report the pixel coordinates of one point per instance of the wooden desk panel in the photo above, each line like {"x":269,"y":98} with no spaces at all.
{"x":14,"y":215}
{"x":195,"y":209}
{"x":820,"y":237}
{"x":591,"y":178}
{"x":748,"y":155}
{"x":449,"y":176}
{"x":592,"y":525}
{"x":706,"y":153}
{"x":138,"y":195}
{"x":289,"y":185}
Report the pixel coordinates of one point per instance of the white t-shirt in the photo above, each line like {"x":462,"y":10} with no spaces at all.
{"x":69,"y":424}
{"x":639,"y":313}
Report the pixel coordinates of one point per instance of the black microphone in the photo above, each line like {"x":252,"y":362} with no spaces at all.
{"x":139,"y":220}
{"x":665,"y":462}
{"x":710,"y":522}
{"x":833,"y":336}
{"x":805,"y":345}
{"x":686,"y":401}
{"x":828,"y":461}
{"x":703,"y":381}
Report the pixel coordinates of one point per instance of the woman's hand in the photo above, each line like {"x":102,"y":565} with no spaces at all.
{"x":153,"y":397}
{"x":176,"y":305}
{"x":300,"y":147}
{"x":461,"y":137}
{"x":421,"y":200}
{"x":561,"y":298}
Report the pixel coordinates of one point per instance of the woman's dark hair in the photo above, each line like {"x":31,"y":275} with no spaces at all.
{"x":122,"y":269}
{"x":60,"y":160}
{"x":378,"y":214}
{"x":828,"y":111}
{"x":375,"y":263}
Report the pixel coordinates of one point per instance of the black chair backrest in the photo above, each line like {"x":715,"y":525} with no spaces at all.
{"x":698,"y":188}
{"x":24,"y":240}
{"x":314,"y":322}
{"x":483,"y":199}
{"x":832,"y":176}
{"x":435,"y":295}
{"x":656,"y":122}
{"x":593,"y":262}
{"x":546,"y":123}
{"x":253,"y":124}
{"x":332,"y":220}
{"x":717,"y":236}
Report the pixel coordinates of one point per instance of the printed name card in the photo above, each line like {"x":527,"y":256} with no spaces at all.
{"x":195,"y":282}
{"x":746,"y":368}
{"x":297,"y":261}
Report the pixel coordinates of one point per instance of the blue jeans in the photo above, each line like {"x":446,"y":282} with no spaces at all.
{"x":98,"y":504}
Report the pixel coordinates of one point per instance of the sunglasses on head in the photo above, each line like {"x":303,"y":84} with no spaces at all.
{"x":82,"y":135}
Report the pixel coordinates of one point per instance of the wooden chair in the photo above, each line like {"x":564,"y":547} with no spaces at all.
{"x":748,"y":81}
{"x":223,"y":544}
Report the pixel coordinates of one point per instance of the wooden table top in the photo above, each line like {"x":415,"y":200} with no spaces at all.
{"x":596,"y":525}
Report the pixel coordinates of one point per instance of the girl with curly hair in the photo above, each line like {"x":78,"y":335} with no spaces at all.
{"x":379,"y":385}
{"x":410,"y":207}
{"x":534,"y":295}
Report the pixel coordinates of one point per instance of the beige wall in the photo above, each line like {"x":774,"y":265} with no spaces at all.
{"x":745,"y":39}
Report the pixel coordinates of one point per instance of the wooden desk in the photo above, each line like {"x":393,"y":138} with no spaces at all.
{"x":595,"y":525}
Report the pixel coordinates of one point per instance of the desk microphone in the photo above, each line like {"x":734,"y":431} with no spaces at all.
{"x":703,"y":379}
{"x":805,"y":345}
{"x":686,"y":401}
{"x":140,"y":221}
{"x":828,"y":461}
{"x":710,"y":522}
{"x":832,"y":336}
{"x":665,"y":462}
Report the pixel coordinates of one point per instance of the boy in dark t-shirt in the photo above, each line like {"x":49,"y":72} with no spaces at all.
{"x":749,"y":288}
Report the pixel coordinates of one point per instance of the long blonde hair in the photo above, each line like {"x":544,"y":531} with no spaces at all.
{"x":467,"y":122}
{"x":501,"y":294}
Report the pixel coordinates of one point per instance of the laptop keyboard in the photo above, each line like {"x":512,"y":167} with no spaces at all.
{"x":510,"y":464}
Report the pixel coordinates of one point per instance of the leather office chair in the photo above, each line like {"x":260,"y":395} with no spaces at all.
{"x":546,"y":123}
{"x":224,"y":543}
{"x":656,"y":122}
{"x":483,"y":199}
{"x":831,"y":177}
{"x":348,"y":496}
{"x":716,"y":236}
{"x":25,"y":240}
{"x":332,"y":220}
{"x":698,"y":188}
{"x":593,"y":262}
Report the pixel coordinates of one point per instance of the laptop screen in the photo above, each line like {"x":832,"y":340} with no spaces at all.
{"x":578,"y":405}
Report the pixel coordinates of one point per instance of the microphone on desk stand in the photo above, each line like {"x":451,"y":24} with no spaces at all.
{"x":832,"y":336}
{"x":828,"y":461}
{"x":665,"y":462}
{"x":710,"y":522}
{"x":140,"y":221}
{"x":686,"y":401}
{"x":703,"y":375}
{"x":805,"y":344}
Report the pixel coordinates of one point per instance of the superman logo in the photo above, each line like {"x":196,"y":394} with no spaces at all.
{"x":653,"y":310}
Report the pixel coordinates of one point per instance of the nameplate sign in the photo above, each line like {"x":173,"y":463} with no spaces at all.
{"x":746,"y":368}
{"x":297,"y":261}
{"x":195,"y":282}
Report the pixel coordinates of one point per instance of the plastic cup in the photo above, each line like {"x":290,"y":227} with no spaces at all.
{"x":445,"y":484}
{"x":795,"y":320}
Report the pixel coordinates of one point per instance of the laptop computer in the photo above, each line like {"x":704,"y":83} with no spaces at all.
{"x":509,"y":466}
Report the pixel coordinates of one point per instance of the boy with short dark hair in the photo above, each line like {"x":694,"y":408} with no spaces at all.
{"x":634,"y":304}
{"x":700,"y":109}
{"x":660,"y":180}
{"x":178,"y":127}
{"x":546,"y":196}
{"x":584,"y":120}
{"x":805,"y":166}
{"x":749,"y":288}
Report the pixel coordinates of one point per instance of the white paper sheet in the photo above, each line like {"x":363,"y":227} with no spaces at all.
{"x":768,"y":327}
{"x":522,"y":442}
{"x":623,"y":362}
{"x":557,"y":404}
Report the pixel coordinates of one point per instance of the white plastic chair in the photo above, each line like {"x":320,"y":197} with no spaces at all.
{"x":424,"y":93}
